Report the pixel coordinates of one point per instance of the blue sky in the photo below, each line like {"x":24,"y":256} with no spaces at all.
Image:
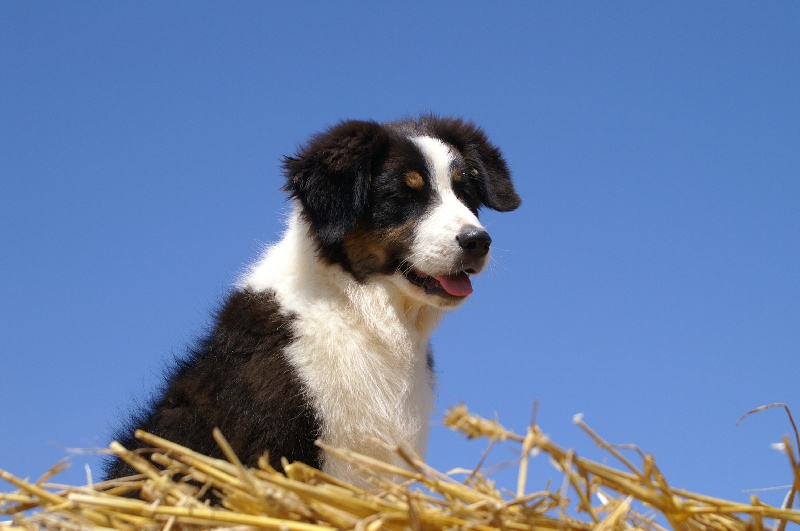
{"x":651,"y":279}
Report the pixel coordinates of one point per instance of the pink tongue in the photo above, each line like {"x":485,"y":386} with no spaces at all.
{"x":458,"y":284}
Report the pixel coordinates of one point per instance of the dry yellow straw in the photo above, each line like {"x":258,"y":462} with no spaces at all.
{"x":173,"y":482}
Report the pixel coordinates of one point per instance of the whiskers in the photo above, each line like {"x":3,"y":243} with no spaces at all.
{"x":411,"y":263}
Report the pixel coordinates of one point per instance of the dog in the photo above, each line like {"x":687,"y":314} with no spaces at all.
{"x":327,"y":335}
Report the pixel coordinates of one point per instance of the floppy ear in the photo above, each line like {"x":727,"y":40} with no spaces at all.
{"x":484,"y":160}
{"x":330,"y":176}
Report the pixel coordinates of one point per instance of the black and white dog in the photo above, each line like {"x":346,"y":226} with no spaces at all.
{"x":326,"y":336}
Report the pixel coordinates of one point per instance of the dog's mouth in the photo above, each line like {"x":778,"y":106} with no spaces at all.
{"x":453,"y":284}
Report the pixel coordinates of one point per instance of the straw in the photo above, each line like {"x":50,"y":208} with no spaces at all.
{"x":175,"y":483}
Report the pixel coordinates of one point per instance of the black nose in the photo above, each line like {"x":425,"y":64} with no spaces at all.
{"x":475,"y":241}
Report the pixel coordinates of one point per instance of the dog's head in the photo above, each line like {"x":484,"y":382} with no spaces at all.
{"x":402,"y":199}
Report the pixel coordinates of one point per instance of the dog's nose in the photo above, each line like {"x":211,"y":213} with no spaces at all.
{"x":474,"y":240}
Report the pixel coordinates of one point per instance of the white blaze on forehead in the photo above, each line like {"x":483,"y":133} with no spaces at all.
{"x":439,"y":159}
{"x":436,"y":249}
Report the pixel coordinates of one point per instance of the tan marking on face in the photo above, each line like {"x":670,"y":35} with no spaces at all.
{"x":370,"y":252}
{"x":365,"y":251}
{"x":456,"y":175}
{"x":414,"y":180}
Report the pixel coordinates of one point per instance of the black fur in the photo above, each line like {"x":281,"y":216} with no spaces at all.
{"x":330,"y":177}
{"x":351,"y":176}
{"x":239,"y":381}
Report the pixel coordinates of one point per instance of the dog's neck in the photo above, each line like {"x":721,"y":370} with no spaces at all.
{"x":293,"y":263}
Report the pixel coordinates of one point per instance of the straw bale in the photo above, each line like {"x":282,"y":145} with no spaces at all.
{"x":175,"y":484}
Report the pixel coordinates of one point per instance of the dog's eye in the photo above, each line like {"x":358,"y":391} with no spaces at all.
{"x":410,"y":187}
{"x":413,"y":180}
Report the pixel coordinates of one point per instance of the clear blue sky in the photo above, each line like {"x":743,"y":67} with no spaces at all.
{"x":651,"y":279}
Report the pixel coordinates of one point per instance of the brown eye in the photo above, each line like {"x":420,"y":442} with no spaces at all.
{"x":414,"y":180}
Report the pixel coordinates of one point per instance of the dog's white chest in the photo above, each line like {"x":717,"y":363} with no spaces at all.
{"x":361,"y":355}
{"x":365,"y":389}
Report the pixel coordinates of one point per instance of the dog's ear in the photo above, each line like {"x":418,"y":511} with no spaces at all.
{"x":484,"y":161}
{"x":331,"y":174}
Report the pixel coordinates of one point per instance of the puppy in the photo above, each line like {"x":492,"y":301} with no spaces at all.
{"x":326,"y":335}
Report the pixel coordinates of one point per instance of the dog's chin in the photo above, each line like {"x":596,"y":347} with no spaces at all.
{"x":444,"y":291}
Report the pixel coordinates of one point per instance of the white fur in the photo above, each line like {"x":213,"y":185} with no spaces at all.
{"x":360,"y":348}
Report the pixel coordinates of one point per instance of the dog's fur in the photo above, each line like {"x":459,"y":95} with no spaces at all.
{"x":326,"y":336}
